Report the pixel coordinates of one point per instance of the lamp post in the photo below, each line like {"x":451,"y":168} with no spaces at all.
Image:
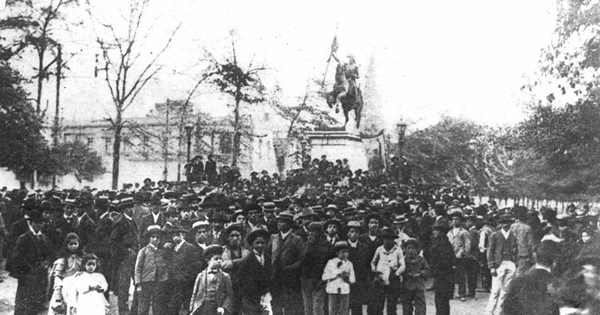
{"x":401,"y":129}
{"x":188,"y":132}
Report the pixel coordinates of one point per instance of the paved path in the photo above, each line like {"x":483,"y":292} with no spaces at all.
{"x":471,"y":307}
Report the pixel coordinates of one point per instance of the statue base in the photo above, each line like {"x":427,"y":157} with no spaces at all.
{"x":339,"y":143}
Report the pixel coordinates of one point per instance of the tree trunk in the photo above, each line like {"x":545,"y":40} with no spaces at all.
{"x":117,"y":151}
{"x":38,"y":108}
{"x":236,"y":131}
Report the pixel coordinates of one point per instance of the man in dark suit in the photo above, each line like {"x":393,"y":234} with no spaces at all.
{"x":124,"y":246}
{"x":155,"y":217}
{"x":29,"y":264}
{"x":210,"y":169}
{"x":358,"y":255}
{"x":285,"y":249}
{"x":528,"y":294}
{"x":85,"y":227}
{"x":185,"y":263}
{"x":102,"y":240}
{"x":216,"y":235}
{"x":255,"y":273}
{"x":372,"y":241}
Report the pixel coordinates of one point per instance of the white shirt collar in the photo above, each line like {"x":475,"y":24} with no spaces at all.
{"x":353,"y":244}
{"x":155,"y":216}
{"x":505,"y":233}
{"x":178,"y":246}
{"x":284,"y":235}
{"x":32,"y":230}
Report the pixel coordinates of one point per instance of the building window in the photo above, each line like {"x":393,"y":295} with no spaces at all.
{"x":225,"y":143}
{"x":107,"y":143}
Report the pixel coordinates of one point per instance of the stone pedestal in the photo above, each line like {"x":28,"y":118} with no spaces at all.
{"x":339,"y":143}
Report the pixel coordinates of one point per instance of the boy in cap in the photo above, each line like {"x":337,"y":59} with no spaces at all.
{"x":339,"y":275}
{"x":213,"y":292}
{"x":388,"y":262}
{"x":185,"y":263}
{"x":413,"y":286}
{"x":150,"y":270}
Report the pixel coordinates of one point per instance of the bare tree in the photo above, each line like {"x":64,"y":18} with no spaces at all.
{"x":124,"y":73}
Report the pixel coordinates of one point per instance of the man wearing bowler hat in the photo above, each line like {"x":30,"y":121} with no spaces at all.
{"x":285,"y":248}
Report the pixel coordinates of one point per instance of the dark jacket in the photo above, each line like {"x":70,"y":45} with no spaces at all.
{"x":494,"y":255}
{"x":362,"y":271}
{"x":371,"y":245}
{"x":85,"y":228}
{"x":146,"y":221}
{"x":186,"y":263}
{"x":124,"y":236}
{"x":314,"y":257}
{"x":528,"y":295}
{"x":285,"y":261}
{"x":254,"y":278}
{"x":224,"y":294}
{"x":30,"y":256}
{"x":441,"y":265}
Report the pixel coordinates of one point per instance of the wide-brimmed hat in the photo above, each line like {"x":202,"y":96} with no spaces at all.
{"x":388,"y":233}
{"x":212,"y":250}
{"x":256,"y":234}
{"x":339,"y":245}
{"x":373,"y":215}
{"x":353,"y":224}
{"x":218,"y":217}
{"x":440,"y":225}
{"x":315,"y":226}
{"x":334,"y":221}
{"x":307,"y":212}
{"x":285,"y":215}
{"x":234,"y":227}
{"x":412,"y":241}
{"x":268,"y":206}
{"x":198,"y":224}
{"x":153,"y":230}
{"x":400,"y":219}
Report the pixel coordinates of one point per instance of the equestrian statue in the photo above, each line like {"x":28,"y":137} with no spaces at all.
{"x":345,"y":89}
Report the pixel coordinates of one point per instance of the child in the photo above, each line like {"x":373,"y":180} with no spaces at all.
{"x":255,"y":275}
{"x":213,"y":294}
{"x":388,"y":263}
{"x":413,"y":286}
{"x":63,"y":270}
{"x":90,"y":286}
{"x":339,"y":274}
{"x":150,"y":269}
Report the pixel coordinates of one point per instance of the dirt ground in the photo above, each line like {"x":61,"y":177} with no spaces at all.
{"x":8,"y":288}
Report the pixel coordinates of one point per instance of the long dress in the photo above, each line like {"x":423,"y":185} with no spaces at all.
{"x":89,"y":302}
{"x":62,"y":274}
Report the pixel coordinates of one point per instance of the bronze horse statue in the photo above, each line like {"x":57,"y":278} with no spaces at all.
{"x":347,"y":93}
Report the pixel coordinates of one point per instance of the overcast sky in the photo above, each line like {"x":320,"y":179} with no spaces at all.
{"x":460,"y":58}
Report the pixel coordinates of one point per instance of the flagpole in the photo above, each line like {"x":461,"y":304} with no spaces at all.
{"x":334,"y":43}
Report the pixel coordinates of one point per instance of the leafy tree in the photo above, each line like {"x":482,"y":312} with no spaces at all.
{"x":76,"y":158}
{"x":456,"y":151}
{"x":22,"y":146}
{"x":304,"y":116}
{"x":244,"y":85}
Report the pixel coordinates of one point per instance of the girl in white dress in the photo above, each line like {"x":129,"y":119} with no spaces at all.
{"x":90,"y":286}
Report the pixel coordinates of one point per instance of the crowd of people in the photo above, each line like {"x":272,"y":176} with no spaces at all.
{"x":324,"y":239}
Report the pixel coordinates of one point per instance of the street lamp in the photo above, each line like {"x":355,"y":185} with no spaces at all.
{"x":401,"y":129}
{"x":188,"y":132}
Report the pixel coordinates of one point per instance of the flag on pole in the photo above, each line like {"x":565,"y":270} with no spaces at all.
{"x":334,"y":45}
